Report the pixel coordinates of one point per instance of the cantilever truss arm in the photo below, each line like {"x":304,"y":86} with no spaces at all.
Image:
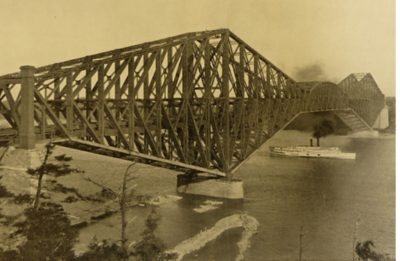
{"x":204,"y":99}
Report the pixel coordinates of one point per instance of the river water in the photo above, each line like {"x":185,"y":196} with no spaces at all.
{"x":334,"y":201}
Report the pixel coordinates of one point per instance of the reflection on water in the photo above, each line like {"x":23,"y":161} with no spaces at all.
{"x":325,"y":196}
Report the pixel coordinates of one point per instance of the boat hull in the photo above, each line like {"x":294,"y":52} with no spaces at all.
{"x":312,"y":152}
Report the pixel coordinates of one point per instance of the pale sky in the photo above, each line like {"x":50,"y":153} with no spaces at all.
{"x":341,"y":36}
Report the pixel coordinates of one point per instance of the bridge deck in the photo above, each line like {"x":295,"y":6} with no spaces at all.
{"x":122,"y":153}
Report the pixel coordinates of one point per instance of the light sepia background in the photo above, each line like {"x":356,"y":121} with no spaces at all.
{"x":307,"y":39}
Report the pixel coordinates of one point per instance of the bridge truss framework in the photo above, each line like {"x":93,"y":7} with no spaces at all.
{"x":206,"y":100}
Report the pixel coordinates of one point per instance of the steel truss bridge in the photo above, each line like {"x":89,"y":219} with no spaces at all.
{"x":198,"y":101}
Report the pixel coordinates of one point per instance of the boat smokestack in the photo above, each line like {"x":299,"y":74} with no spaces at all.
{"x":311,"y":142}
{"x":324,"y":128}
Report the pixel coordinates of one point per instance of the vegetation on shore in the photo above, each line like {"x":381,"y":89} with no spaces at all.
{"x":44,"y":231}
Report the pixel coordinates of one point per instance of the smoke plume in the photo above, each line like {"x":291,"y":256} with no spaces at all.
{"x":324,"y":128}
{"x":313,"y":72}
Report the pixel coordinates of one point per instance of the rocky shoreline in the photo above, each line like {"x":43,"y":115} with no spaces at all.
{"x":85,"y":199}
{"x":248,"y":223}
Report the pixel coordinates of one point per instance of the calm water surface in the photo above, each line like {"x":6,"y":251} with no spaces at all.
{"x":324,"y":196}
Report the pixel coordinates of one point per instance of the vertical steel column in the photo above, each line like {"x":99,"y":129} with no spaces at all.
{"x":69,"y":104}
{"x":57,"y":98}
{"x":186,"y":87}
{"x":170,"y":97}
{"x":243,"y":141}
{"x":270,"y":101}
{"x":256,"y":83}
{"x":88,"y":98}
{"x":43,"y":122}
{"x":170,"y":86}
{"x":146,"y":100}
{"x":117,"y":99}
{"x":208,"y":99}
{"x":225,"y":97}
{"x":27,"y":132}
{"x":158,"y":101}
{"x":280,"y":115}
{"x":100,"y":103}
{"x":131,"y":103}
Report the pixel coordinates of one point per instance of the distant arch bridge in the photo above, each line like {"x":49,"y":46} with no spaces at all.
{"x":198,"y":101}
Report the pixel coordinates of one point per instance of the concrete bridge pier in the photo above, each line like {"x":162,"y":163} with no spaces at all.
{"x":205,"y":185}
{"x":26,"y":155}
{"x":26,"y":131}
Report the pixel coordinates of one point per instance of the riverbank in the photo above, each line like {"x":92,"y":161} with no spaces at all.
{"x":282,"y":194}
{"x":83,"y":195}
{"x":86,"y":201}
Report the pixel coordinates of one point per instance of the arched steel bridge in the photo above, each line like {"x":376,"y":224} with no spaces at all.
{"x":202,"y":101}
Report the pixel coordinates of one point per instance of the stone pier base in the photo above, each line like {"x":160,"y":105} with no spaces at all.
{"x":21,"y":158}
{"x":209,"y":186}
